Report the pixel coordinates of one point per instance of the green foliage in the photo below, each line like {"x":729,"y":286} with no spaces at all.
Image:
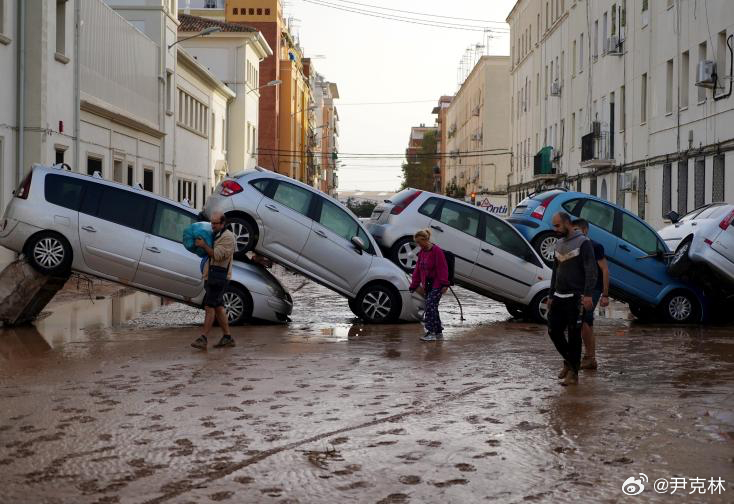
{"x":419,"y":174}
{"x":361,"y":208}
{"x":454,"y":191}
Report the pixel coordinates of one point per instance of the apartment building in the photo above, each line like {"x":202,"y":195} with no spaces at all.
{"x":619,"y":99}
{"x":478,"y":138}
{"x":442,"y":141}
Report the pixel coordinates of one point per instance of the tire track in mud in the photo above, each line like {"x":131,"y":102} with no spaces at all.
{"x":232,"y":468}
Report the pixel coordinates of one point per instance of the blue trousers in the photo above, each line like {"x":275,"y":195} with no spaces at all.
{"x":431,"y":318}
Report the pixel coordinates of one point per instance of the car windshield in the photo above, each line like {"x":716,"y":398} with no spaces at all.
{"x":714,"y":212}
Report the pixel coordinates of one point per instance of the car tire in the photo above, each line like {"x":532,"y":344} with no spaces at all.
{"x":537,"y":310}
{"x":515,"y":311}
{"x":642,"y":313}
{"x":680,"y":264}
{"x":353,"y":306}
{"x":404,"y":253}
{"x":680,"y":307}
{"x":378,"y":304}
{"x":245,"y":235}
{"x":237,"y":304}
{"x":49,"y":253}
{"x":545,"y":244}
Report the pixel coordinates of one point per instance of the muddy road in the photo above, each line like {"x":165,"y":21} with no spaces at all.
{"x":329,"y":410}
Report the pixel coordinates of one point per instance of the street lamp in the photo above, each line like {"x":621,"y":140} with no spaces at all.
{"x":202,"y":33}
{"x":272,"y":83}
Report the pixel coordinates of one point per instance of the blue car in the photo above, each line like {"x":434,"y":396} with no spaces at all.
{"x":637,"y":256}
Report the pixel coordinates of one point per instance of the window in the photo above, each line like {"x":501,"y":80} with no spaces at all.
{"x":117,"y":175}
{"x":261,"y":185}
{"x":429,"y":207}
{"x":644,"y":5}
{"x":538,"y":28}
{"x":722,"y":54}
{"x":213,"y":133}
{"x":717,"y":184}
{"x":614,"y":20}
{"x":547,"y":16}
{"x":169,"y":91}
{"x":643,"y":99}
{"x":295,"y":198}
{"x":598,"y":214}
{"x":192,"y":113}
{"x":592,"y":186}
{"x":682,"y":187}
{"x":259,"y":12}
{"x":148,"y":179}
{"x":124,"y":208}
{"x":581,"y":53}
{"x":667,"y":189}
{"x":622,"y":109}
{"x":185,"y":190}
{"x":63,"y":191}
{"x":637,"y":234}
{"x":701,"y":57}
{"x":699,"y":183}
{"x":604,"y":41}
{"x":2,"y":17}
{"x":563,"y":66}
{"x":267,"y":12}
{"x":573,"y":130}
{"x":502,"y":236}
{"x":61,"y":27}
{"x":251,"y":12}
{"x":94,"y":165}
{"x":641,"y":193}
{"x":669,"y":87}
{"x":460,"y":217}
{"x":338,"y":221}
{"x":59,"y":155}
{"x":670,"y":4}
{"x":224,"y":134}
{"x":684,"y":85}
{"x":235,"y":11}
{"x":573,"y":68}
{"x":170,"y":222}
{"x":130,"y":175}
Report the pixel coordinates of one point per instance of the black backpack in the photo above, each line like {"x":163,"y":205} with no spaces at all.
{"x":450,"y":260}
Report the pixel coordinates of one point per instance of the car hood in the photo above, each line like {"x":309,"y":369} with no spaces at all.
{"x":258,"y":279}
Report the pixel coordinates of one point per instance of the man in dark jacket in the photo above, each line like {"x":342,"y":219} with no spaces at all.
{"x":572,"y":285}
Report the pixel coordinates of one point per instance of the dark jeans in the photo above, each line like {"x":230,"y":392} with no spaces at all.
{"x":565,"y":316}
{"x":214,"y":287}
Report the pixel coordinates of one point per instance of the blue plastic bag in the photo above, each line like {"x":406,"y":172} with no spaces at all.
{"x":196,"y":230}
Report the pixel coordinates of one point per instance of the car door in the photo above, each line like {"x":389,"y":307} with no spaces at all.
{"x":456,"y":229}
{"x":505,"y":262}
{"x":642,"y":275}
{"x":65,"y":193}
{"x":112,"y":226}
{"x":286,"y":224}
{"x":165,"y":264}
{"x":723,"y":242}
{"x":329,"y":253}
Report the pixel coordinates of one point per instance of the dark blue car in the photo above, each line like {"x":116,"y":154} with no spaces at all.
{"x":637,"y":256}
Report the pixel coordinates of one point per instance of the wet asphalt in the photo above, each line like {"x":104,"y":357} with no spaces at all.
{"x":327,"y":409}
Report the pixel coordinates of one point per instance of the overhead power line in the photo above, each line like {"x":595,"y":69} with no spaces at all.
{"x":425,"y":14}
{"x":340,"y":154}
{"x":385,"y":103}
{"x":382,"y":15}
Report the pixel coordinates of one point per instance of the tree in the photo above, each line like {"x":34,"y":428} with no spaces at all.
{"x":419,"y":173}
{"x":362,"y":208}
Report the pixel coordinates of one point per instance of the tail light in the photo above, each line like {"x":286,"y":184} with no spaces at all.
{"x":25,"y":187}
{"x":539,"y":211}
{"x":230,"y":187}
{"x":398,"y":209}
{"x":726,"y":221}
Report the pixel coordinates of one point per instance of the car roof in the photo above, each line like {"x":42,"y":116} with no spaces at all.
{"x":58,"y":170}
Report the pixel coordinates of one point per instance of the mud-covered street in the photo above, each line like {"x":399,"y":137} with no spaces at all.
{"x":329,"y":410}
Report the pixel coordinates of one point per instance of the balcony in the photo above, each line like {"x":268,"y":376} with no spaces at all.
{"x":544,"y":166}
{"x":596,"y":150}
{"x":201,"y":4}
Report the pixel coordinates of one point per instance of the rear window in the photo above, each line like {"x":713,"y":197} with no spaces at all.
{"x":403,"y":195}
{"x":63,"y":191}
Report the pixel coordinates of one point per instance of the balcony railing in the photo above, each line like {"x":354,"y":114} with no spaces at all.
{"x":596,"y":150}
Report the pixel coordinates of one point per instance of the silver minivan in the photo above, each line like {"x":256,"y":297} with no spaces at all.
{"x":66,"y":221}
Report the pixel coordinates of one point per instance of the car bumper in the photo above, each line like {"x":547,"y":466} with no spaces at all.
{"x":700,"y":252}
{"x":413,"y":306}
{"x":14,"y":234}
{"x":270,"y":308}
{"x":385,"y":234}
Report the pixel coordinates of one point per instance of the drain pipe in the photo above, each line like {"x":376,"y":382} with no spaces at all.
{"x":731,"y":72}
{"x":77,"y":84}
{"x":21,"y":91}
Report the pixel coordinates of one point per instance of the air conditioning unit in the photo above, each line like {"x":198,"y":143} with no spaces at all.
{"x":705,"y":74}
{"x":555,"y":89}
{"x":614,"y":46}
{"x":596,"y":129}
{"x":629,"y":182}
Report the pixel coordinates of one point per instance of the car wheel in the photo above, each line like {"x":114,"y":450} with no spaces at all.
{"x":514,"y":311}
{"x":641,"y":312}
{"x":353,"y":306}
{"x":404,"y":253}
{"x":537,"y":310}
{"x":545,"y":245}
{"x":378,"y":303}
{"x":237,"y":304}
{"x":681,"y":263}
{"x":49,"y":253}
{"x":680,"y":308}
{"x":244,"y":234}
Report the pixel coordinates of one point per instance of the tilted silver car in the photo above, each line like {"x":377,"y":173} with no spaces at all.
{"x":67,"y":221}
{"x":491,"y":257}
{"x":315,"y":235}
{"x":702,"y":238}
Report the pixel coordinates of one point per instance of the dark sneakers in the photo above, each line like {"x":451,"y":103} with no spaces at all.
{"x":200,"y":343}
{"x":226,"y":341}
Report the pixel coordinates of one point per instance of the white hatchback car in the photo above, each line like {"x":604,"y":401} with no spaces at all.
{"x":703,"y":237}
{"x":315,"y":235}
{"x":492,"y":257}
{"x":67,"y":221}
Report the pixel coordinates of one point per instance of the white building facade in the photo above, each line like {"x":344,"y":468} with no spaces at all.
{"x":605,"y":101}
{"x":478,"y":137}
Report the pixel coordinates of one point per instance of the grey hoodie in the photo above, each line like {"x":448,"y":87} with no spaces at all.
{"x":574,"y":268}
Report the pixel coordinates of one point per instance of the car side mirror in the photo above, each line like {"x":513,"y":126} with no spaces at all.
{"x":673,"y":216}
{"x":359,"y":245}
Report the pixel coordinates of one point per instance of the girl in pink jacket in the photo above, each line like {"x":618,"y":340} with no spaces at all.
{"x":430,"y":279}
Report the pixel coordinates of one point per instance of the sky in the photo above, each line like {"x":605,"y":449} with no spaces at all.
{"x":374,"y":60}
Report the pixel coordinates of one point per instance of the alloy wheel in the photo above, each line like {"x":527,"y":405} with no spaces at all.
{"x":681,"y":253}
{"x":377,"y":305}
{"x":547,"y":248}
{"x":49,"y":252}
{"x":234,"y":305}
{"x":408,"y":255}
{"x":680,"y":308}
{"x":543,"y":307}
{"x":241,"y":235}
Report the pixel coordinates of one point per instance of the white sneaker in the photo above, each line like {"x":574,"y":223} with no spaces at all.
{"x":428,"y":337}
